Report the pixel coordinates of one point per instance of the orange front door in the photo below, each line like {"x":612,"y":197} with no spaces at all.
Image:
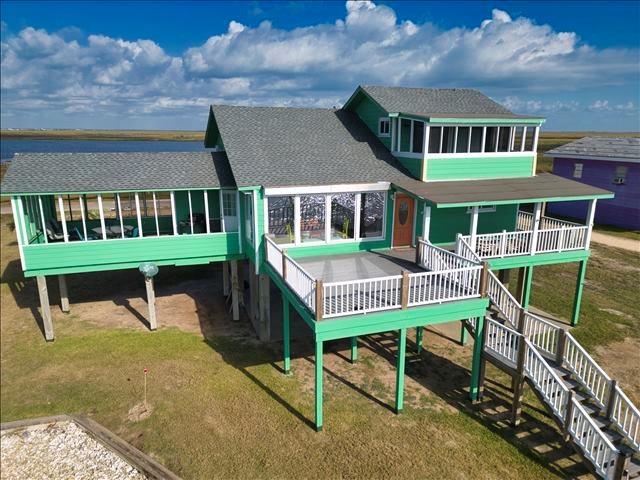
{"x":402,"y":221}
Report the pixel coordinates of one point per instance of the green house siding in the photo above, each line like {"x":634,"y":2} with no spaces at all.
{"x":414,"y":165}
{"x":479,"y":167}
{"x":77,"y":257}
{"x":370,"y":113}
{"x":446,"y":223}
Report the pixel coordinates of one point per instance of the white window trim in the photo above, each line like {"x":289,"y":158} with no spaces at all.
{"x":483,"y":209}
{"x":520,"y":152}
{"x":388,"y":121}
{"x":327,"y":233}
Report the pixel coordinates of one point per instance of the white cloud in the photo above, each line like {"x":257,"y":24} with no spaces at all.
{"x":513,"y":59}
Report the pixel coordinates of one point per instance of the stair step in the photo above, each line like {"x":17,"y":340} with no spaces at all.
{"x":633,"y":470}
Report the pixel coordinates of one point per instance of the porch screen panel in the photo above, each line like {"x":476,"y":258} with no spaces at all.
{"x":462,"y":143}
{"x":434,"y":139}
{"x":504,"y":139}
{"x":281,"y":219}
{"x":517,"y":139}
{"x":528,"y":142}
{"x":448,"y":139}
{"x":229,"y":211}
{"x":405,"y":135}
{"x":312,"y":218}
{"x":491,"y":141}
{"x":343,"y":207}
{"x":418,"y":137}
{"x":371,"y":214}
{"x":476,"y":139}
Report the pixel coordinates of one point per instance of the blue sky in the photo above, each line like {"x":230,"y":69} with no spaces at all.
{"x":159,"y":64}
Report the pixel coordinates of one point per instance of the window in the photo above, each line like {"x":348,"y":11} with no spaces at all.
{"x":281,"y":219}
{"x":491,"y":140}
{"x":383,"y":127}
{"x":462,"y":144}
{"x":621,"y":175}
{"x":343,"y":207}
{"x":435,"y":133}
{"x":229,"y":211}
{"x":248,"y":208}
{"x":405,"y":135}
{"x":504,"y":139}
{"x":448,"y":139}
{"x":528,"y":142}
{"x":371,"y":214}
{"x":577,"y":170}
{"x":476,"y":139}
{"x":418,"y":136}
{"x":483,"y":209}
{"x":517,"y":139}
{"x":312,"y":218}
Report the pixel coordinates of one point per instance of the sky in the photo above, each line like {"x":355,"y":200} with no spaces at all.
{"x":158,"y":65}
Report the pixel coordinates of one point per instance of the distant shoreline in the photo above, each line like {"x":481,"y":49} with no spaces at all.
{"x":116,"y":135}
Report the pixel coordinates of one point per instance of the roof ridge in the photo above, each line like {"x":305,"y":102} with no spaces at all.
{"x":273,"y":107}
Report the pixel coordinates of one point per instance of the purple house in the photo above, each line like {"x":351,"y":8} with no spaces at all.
{"x":605,"y":162}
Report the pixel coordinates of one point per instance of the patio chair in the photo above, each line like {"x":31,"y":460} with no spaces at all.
{"x":54,"y":231}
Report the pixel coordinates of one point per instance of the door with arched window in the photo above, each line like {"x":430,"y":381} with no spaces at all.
{"x":403,"y":220}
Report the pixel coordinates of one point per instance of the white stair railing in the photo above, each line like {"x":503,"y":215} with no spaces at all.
{"x":586,"y":370}
{"x":503,"y":300}
{"x":625,"y":415}
{"x":502,"y":341}
{"x":543,"y":334}
{"x":554,"y":391}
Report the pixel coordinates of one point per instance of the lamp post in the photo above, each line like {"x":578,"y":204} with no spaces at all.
{"x":150,"y":270}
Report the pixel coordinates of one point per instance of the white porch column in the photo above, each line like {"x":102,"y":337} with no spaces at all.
{"x":591,"y":213}
{"x":473,"y":229}
{"x":426,"y":226}
{"x":151,"y":302}
{"x":537,"y":214}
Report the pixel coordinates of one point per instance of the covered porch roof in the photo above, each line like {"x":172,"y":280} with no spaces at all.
{"x":77,"y":173}
{"x":543,"y":187}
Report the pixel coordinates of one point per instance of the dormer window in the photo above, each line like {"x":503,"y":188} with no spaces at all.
{"x":384,"y":129}
{"x":464,"y":139}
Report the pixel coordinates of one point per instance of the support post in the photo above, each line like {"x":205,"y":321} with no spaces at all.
{"x":622,"y":465}
{"x":537,"y":213}
{"x":226,"y":287}
{"x":64,"y":294}
{"x":477,"y":363}
{"x":401,"y":357}
{"x":464,"y":334}
{"x":235,"y":290}
{"x":526,"y":293}
{"x":518,"y":382}
{"x":582,"y":270}
{"x":354,"y":349}
{"x":286,"y":335}
{"x":419,"y":339}
{"x":264,"y":288}
{"x":46,"y":310}
{"x":611,"y":398}
{"x":151,"y":301}
{"x":319,"y":299}
{"x":484,"y":280}
{"x":318,"y":385}
{"x":404,"y":297}
{"x":591,"y":215}
{"x":562,"y":341}
{"x":418,"y":258}
{"x":473,"y":228}
{"x":520,"y":285}
{"x":568,"y":417}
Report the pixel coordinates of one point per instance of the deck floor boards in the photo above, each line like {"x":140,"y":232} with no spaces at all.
{"x":361,"y":265}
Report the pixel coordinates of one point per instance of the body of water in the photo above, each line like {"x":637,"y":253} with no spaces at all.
{"x":8,"y":147}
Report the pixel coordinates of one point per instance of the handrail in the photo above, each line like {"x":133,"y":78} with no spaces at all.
{"x":444,"y":285}
{"x":586,"y":370}
{"x":362,"y":296}
{"x":592,"y":441}
{"x":502,"y":341}
{"x":464,"y":250}
{"x":625,"y":416}
{"x":543,"y":334}
{"x":502,"y":298}
{"x":435,"y":258}
{"x":546,"y":381}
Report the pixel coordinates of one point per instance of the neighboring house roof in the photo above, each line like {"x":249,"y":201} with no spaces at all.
{"x":113,"y":172}
{"x":437,"y":102}
{"x":281,"y":147}
{"x":625,"y":149}
{"x":542,"y":187}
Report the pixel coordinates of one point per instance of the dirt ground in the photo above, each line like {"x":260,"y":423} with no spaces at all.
{"x":618,"y":242}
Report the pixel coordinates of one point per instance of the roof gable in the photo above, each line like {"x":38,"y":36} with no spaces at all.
{"x":436,"y":102}
{"x":277,"y":147}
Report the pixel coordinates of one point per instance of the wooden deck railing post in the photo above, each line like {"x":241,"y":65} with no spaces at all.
{"x":405,"y":290}
{"x":284,"y":264}
{"x":568,"y":417}
{"x":319,"y":299}
{"x":518,"y":382}
{"x":521,"y":320}
{"x":611,"y":399}
{"x":418,"y":250}
{"x":562,"y":341}
{"x":484,"y":280}
{"x":622,"y":464}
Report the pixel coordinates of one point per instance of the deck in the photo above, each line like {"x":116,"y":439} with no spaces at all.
{"x":345,"y":285}
{"x":361,"y":265}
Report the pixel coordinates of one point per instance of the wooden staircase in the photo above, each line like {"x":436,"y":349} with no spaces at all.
{"x":591,"y":410}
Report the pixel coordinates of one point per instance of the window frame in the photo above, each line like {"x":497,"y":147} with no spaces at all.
{"x":382,"y":120}
{"x":578,"y":170}
{"x":528,"y":132}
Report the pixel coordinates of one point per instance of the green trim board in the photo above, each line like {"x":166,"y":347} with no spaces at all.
{"x":116,"y":254}
{"x":433,"y":120}
{"x":538,"y":259}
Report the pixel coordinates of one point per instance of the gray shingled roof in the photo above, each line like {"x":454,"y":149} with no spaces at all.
{"x":434,"y":102}
{"x":627,"y":148}
{"x":467,"y":192}
{"x":110,"y":172}
{"x":279,"y":147}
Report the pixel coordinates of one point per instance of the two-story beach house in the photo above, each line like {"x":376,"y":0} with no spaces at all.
{"x":397,"y":211}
